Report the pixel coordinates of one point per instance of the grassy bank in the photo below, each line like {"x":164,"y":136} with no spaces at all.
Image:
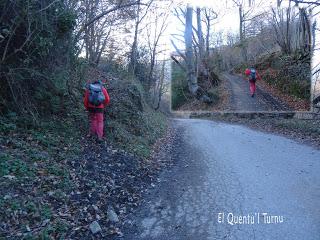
{"x":35,"y":177}
{"x":131,"y":123}
{"x":43,"y":165}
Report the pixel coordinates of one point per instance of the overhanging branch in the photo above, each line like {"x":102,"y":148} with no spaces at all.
{"x":179,"y":64}
{"x":93,"y":20}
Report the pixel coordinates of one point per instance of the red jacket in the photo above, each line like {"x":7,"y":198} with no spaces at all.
{"x":89,"y":106}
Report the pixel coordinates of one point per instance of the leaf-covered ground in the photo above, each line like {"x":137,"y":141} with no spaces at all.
{"x":295,"y":103}
{"x":35,"y":178}
{"x":55,"y":183}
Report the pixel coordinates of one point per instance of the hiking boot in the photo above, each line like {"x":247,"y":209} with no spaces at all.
{"x":99,"y":140}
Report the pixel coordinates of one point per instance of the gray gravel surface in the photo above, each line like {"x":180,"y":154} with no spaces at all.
{"x":230,"y":169}
{"x":241,"y":100}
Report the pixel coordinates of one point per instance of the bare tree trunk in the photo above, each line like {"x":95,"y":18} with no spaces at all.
{"x":313,"y":36}
{"x":283,"y":23}
{"x":152,"y":64}
{"x":306,"y":33}
{"x":133,"y":56}
{"x":207,"y":41}
{"x":210,"y":15}
{"x":242,"y":34}
{"x":201,"y":63}
{"x":161,"y":85}
{"x":139,"y":18}
{"x":191,"y":56}
{"x":288,"y":29}
{"x":241,"y":23}
{"x":191,"y":74}
{"x":208,"y":25}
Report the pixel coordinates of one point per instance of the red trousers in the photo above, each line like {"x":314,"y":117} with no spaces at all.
{"x":96,"y":124}
{"x":252,"y":87}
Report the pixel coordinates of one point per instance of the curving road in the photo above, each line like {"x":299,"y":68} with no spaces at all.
{"x":241,"y":100}
{"x":271,"y":182}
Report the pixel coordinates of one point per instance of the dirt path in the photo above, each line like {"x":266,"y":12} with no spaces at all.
{"x":241,"y":100}
{"x":218,"y":177}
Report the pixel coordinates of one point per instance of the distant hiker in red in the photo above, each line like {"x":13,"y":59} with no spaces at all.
{"x":252,"y":77}
{"x":95,"y":99}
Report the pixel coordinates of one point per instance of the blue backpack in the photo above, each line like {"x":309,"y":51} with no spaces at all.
{"x":252,"y":76}
{"x":96,"y":96}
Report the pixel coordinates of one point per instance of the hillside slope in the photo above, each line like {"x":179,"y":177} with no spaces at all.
{"x":55,"y":182}
{"x":287,"y":77}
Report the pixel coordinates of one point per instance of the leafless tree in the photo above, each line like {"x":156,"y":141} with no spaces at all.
{"x":314,"y":11}
{"x":246,"y":9}
{"x":192,"y":78}
{"x":189,"y":58}
{"x":161,"y":85}
{"x":98,"y":21}
{"x":155,"y":30}
{"x":110,"y":7}
{"x":282,"y":21}
{"x":292,"y":27}
{"x":209,"y":16}
{"x":140,"y":14}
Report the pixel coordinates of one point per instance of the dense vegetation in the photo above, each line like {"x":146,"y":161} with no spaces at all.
{"x":180,"y":94}
{"x":288,"y":73}
{"x":50,"y":49}
{"x":179,"y":87}
{"x":37,"y":57}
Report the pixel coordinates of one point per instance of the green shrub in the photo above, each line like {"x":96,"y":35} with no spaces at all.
{"x":214,"y":94}
{"x":16,"y":167}
{"x":35,"y":49}
{"x":131,"y":123}
{"x":179,"y":87}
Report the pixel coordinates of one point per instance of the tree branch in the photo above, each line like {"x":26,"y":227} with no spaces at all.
{"x":45,"y":8}
{"x":103,"y":14}
{"x":178,"y":50}
{"x":317,"y":3}
{"x":179,"y":64}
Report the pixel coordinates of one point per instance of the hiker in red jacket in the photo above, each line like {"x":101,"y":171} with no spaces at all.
{"x":252,"y":77}
{"x":95,"y":99}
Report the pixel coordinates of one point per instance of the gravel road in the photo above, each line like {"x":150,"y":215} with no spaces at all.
{"x":241,"y":100}
{"x":231,"y":182}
